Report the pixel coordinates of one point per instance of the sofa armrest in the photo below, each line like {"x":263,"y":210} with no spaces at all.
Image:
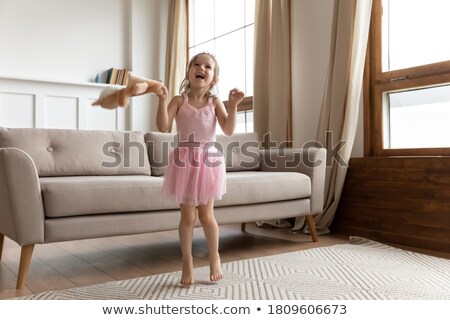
{"x":309,"y":161}
{"x":21,"y":208}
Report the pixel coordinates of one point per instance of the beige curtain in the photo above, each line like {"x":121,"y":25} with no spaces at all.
{"x":177,"y":46}
{"x":340,"y":108}
{"x":272,"y":70}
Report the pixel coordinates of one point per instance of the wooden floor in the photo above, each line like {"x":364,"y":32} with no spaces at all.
{"x":78,"y":263}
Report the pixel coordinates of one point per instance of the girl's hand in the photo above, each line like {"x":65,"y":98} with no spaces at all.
{"x":235,"y":97}
{"x":162,"y":93}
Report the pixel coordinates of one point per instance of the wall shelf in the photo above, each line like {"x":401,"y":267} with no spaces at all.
{"x":60,"y":82}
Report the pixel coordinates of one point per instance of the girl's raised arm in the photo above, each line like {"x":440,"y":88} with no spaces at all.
{"x":166,"y":113}
{"x":227,"y":120}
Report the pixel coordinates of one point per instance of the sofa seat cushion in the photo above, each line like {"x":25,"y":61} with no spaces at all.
{"x":84,"y":195}
{"x":249,"y":187}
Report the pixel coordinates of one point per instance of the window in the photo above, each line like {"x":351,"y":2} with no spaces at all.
{"x":408,"y":79}
{"x":226,"y":28}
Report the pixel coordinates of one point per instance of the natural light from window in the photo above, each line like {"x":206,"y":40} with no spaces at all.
{"x":226,"y":28}
{"x":419,"y":118}
{"x":415,"y":32}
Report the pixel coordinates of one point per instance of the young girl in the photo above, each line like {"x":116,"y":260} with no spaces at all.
{"x":195,"y":176}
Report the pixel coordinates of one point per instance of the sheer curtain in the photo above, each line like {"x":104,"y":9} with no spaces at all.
{"x":340,"y":108}
{"x":272,"y":70}
{"x":177,"y":46}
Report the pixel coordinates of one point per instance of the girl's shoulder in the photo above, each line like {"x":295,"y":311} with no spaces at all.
{"x":217,"y":103}
{"x":176,"y":102}
{"x":178,"y":99}
{"x":215,"y":100}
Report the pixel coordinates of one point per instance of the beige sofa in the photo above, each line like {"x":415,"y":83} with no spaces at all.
{"x":61,"y":185}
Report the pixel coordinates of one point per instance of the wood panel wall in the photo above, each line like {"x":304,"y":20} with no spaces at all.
{"x":37,"y":103}
{"x":397,"y":200}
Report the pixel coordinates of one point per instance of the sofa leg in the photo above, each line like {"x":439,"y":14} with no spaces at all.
{"x":243,"y":226}
{"x":25,"y":260}
{"x":2,"y":239}
{"x":312,"y":227}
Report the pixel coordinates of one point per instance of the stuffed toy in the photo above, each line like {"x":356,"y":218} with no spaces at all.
{"x":111,"y":98}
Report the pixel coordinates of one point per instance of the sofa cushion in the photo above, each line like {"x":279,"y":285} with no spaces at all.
{"x":84,"y":195}
{"x":240,"y":151}
{"x":250,"y":187}
{"x":159,"y":145}
{"x":65,"y":152}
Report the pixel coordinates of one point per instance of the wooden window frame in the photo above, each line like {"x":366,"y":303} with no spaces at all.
{"x":245,"y":105}
{"x":377,"y":82}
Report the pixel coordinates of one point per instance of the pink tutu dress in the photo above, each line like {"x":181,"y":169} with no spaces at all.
{"x":195,"y":173}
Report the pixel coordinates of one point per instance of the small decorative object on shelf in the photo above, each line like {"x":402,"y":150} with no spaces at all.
{"x":97,"y":78}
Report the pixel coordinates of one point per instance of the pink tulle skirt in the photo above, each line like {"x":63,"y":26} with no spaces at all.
{"x":195,"y":175}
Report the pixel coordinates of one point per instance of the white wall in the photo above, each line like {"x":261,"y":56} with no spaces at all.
{"x":66,"y":41}
{"x":62,"y":40}
{"x":311,"y":37}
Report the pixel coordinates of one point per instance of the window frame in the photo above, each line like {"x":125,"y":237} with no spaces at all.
{"x":377,"y":82}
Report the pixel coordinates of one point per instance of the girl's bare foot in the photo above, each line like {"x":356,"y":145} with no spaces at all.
{"x":215,"y":269}
{"x":187,"y":272}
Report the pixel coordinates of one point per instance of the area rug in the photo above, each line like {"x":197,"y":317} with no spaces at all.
{"x":359,"y":270}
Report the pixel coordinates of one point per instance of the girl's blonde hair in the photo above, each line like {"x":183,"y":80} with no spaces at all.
{"x":186,"y":85}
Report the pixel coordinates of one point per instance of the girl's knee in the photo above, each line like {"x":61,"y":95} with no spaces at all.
{"x":188,"y":219}
{"x":188,"y":215}
{"x":203,"y":219}
{"x":188,"y":222}
{"x":206,"y":218}
{"x":206,"y":213}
